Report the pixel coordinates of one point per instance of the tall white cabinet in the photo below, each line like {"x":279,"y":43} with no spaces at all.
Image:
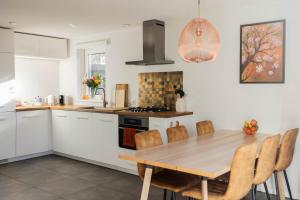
{"x":7,"y":95}
{"x":7,"y":71}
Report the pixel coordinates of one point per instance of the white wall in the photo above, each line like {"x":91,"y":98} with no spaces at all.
{"x":213,"y":89}
{"x":36,"y":77}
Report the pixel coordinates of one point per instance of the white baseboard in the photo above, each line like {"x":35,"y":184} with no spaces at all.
{"x":19,"y":158}
{"x":97,"y":163}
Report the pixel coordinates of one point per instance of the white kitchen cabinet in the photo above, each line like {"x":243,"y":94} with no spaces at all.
{"x":104,"y":138}
{"x":81,"y":128}
{"x":6,"y":41}
{"x":33,"y":132}
{"x":62,"y":135}
{"x":92,"y":136}
{"x":7,"y":135}
{"x":53,"y":48}
{"x":26,"y":45}
{"x":7,"y":89}
{"x":40,"y":46}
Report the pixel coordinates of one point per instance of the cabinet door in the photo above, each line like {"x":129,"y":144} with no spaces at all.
{"x":6,"y":41}
{"x":81,"y":130}
{"x":61,"y":131}
{"x":7,"y":74}
{"x":33,"y":135}
{"x":7,"y":135}
{"x":7,"y":67}
{"x":104,"y":138}
{"x":53,"y":48}
{"x":26,"y":45}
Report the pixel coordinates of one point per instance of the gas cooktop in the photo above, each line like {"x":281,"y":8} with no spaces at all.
{"x":148,"y":109}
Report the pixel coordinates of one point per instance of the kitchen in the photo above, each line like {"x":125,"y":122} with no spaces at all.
{"x":211,"y":89}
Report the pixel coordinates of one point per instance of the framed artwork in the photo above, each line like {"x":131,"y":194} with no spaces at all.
{"x":262,"y":53}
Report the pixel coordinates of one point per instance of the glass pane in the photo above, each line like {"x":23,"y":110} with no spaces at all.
{"x":96,"y":65}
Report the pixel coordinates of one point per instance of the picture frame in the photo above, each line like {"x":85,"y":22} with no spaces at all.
{"x":262,"y":52}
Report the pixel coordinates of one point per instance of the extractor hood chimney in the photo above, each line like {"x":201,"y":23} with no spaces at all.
{"x":153,"y":44}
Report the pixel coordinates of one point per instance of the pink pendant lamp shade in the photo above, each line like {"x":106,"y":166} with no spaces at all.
{"x":199,"y":41}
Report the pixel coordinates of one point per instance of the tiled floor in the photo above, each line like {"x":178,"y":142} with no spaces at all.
{"x":57,"y":178}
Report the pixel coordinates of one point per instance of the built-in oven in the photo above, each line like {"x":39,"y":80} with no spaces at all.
{"x":129,"y":126}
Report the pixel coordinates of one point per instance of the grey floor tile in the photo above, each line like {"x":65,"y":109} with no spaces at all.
{"x":65,"y":186}
{"x":57,"y":178}
{"x":40,"y":177}
{"x":31,"y":194}
{"x":10,"y":186}
{"x":97,"y":193}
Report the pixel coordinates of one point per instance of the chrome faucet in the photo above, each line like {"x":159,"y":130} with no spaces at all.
{"x":104,"y":99}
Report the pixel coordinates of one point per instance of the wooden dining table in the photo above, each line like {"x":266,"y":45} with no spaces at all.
{"x":208,"y":156}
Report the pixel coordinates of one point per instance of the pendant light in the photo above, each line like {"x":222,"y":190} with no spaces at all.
{"x":199,"y":40}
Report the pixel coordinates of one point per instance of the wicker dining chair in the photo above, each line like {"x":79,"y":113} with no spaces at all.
{"x":167,"y":180}
{"x":177,"y":133}
{"x":285,"y":157}
{"x":205,"y":127}
{"x":240,"y":182}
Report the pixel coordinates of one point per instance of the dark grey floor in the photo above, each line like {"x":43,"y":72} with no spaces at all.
{"x":56,"y":178}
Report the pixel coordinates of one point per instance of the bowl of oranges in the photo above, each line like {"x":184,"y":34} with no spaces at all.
{"x":250,"y":127}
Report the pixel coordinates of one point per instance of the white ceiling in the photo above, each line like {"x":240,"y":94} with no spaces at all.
{"x":52,"y":17}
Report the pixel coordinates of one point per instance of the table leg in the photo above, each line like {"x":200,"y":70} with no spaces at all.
{"x":280,"y":185}
{"x":146,"y":183}
{"x":204,"y":189}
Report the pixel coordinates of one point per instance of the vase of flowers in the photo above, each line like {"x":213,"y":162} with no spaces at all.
{"x":93,"y":83}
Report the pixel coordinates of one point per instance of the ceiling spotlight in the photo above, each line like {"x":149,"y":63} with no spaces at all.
{"x":125,"y":25}
{"x":72,"y":25}
{"x":12,"y":23}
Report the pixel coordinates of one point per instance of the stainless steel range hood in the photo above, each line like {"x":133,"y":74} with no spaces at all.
{"x":153,"y":44}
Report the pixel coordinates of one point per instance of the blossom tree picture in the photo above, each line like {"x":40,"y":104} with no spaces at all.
{"x":262,"y":52}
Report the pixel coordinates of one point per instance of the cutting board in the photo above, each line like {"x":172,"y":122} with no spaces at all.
{"x":120,"y":98}
{"x":121,"y":95}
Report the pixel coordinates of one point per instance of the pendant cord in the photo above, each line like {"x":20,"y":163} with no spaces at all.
{"x":199,"y":9}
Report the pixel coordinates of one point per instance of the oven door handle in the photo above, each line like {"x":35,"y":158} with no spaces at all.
{"x":134,"y":128}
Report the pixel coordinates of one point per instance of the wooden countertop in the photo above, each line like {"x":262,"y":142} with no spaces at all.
{"x":119,"y":111}
{"x":69,"y":108}
{"x":154,"y":114}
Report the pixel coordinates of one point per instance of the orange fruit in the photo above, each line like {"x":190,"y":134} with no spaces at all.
{"x":253,"y":122}
{"x":254,"y":129}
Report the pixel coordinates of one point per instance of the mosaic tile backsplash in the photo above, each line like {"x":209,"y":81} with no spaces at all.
{"x":158,"y":88}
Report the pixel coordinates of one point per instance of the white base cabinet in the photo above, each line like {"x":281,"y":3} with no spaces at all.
{"x":33,"y":132}
{"x":92,"y":136}
{"x":7,"y":135}
{"x":61,"y":131}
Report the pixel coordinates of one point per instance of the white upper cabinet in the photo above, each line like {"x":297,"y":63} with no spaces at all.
{"x":53,"y":47}
{"x":26,"y":45}
{"x":40,"y":46}
{"x":6,"y":41}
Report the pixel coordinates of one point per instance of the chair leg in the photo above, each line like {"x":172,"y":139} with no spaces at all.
{"x":267,"y":191}
{"x":165,"y":194}
{"x":253,"y":193}
{"x":288,"y":184}
{"x":276,"y":185}
{"x":173,"y":197}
